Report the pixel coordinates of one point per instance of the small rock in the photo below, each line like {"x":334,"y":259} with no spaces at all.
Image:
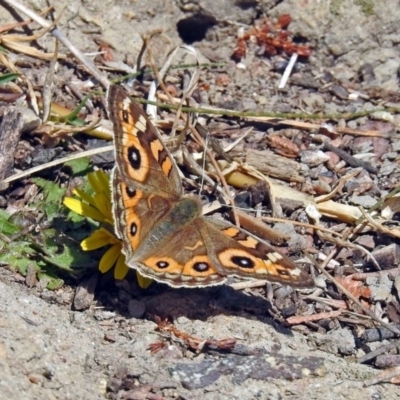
{"x":366,"y":241}
{"x":313,"y":158}
{"x":262,"y":100}
{"x":110,"y":337}
{"x":42,"y":156}
{"x":313,"y":100}
{"x":390,"y":156}
{"x":380,"y":288}
{"x":387,"y":168}
{"x":388,"y":257}
{"x":396,"y":146}
{"x":35,"y":378}
{"x":102,"y":315}
{"x":364,"y":201}
{"x":338,"y":341}
{"x":49,"y":370}
{"x":340,"y":91}
{"x":222,"y":80}
{"x":362,"y":145}
{"x":85,"y":292}
{"x":333,"y":157}
{"x":380,"y":145}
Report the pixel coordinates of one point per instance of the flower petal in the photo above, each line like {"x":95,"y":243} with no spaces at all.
{"x":84,"y":209}
{"x":121,"y":269}
{"x":99,"y":238}
{"x":84,"y":196}
{"x":143,"y":281}
{"x":98,"y":182}
{"x":109,"y":258}
{"x":104,"y":180}
{"x":103,"y":204}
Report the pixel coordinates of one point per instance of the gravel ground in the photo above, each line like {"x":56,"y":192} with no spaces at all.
{"x":49,"y":351}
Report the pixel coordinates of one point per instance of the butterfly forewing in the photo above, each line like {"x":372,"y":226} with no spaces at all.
{"x":140,"y":154}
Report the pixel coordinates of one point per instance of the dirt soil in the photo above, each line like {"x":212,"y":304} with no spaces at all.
{"x":50,"y":351}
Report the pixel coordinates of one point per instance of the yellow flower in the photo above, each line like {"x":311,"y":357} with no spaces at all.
{"x":98,"y":207}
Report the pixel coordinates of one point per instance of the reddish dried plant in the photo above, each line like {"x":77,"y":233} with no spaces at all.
{"x":272,"y":37}
{"x":105,"y":50}
{"x":156,"y":347}
{"x":191,"y":342}
{"x":284,"y":146}
{"x":356,"y":287}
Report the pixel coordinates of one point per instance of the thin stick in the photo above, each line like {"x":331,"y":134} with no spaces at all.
{"x":316,"y":227}
{"x":354,"y":162}
{"x":385,"y":376}
{"x":288,"y":71}
{"x":380,"y":350}
{"x":392,"y":273}
{"x":48,"y":86}
{"x":314,"y":317}
{"x":50,"y":164}
{"x":237,"y":141}
{"x":276,"y":118}
{"x":13,"y":25}
{"x":248,"y":284}
{"x":63,"y":39}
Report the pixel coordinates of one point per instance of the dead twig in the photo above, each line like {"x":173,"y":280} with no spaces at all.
{"x":315,"y":317}
{"x":392,"y":273}
{"x":379,"y":227}
{"x":63,"y":39}
{"x":380,"y":202}
{"x":354,"y":162}
{"x":380,"y":350}
{"x":63,"y":160}
{"x":303,"y":224}
{"x":48,"y":86}
{"x":13,"y":25}
{"x":248,"y":284}
{"x":385,"y":376}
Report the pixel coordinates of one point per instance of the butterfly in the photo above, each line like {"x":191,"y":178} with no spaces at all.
{"x":164,"y":234}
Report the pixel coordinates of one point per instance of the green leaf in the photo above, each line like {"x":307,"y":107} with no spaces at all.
{"x":75,"y":218}
{"x":52,"y":281}
{"x":6,"y":227}
{"x":52,"y":191}
{"x":72,"y":117}
{"x":51,"y":210}
{"x":62,"y":252}
{"x":8,"y":77}
{"x":4,"y":214}
{"x":79,"y":166}
{"x":17,"y":255}
{"x":53,"y":195}
{"x":21,"y":265}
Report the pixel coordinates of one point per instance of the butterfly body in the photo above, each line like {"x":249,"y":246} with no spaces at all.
{"x":164,"y":235}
